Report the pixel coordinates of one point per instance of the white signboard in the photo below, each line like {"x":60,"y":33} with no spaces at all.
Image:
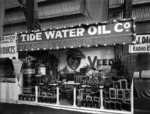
{"x":99,"y":58}
{"x":8,"y":47}
{"x":139,"y":48}
{"x":142,"y":44}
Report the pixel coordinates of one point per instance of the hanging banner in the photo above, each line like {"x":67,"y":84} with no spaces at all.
{"x":106,"y":33}
{"x":142,"y":44}
{"x":95,"y":9}
{"x":77,"y":32}
{"x":8,"y":47}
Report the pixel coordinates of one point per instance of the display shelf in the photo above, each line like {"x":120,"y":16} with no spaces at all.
{"x":87,"y":97}
{"x":89,"y":104}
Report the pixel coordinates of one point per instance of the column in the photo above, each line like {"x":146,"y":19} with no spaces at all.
{"x":36,"y":94}
{"x":132,"y":98}
{"x":57,"y":89}
{"x":101,"y":96}
{"x":2,"y":12}
{"x":74,"y":96}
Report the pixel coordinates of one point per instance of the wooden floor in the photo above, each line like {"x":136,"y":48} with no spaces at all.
{"x":27,"y":109}
{"x":6,"y":108}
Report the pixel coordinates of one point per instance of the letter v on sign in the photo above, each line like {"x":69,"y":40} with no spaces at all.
{"x":92,"y":63}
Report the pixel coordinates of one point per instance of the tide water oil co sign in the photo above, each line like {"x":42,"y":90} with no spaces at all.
{"x":142,"y":44}
{"x":96,"y":30}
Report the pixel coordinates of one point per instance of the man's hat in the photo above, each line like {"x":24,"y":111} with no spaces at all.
{"x":75,"y":53}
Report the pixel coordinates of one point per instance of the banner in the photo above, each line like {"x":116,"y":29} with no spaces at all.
{"x":8,"y":47}
{"x":95,"y":9}
{"x":140,"y":48}
{"x":86,"y":35}
{"x":142,"y":44}
{"x":92,"y":31}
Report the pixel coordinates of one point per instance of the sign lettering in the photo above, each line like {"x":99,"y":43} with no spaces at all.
{"x":98,"y":30}
{"x":142,"y":39}
{"x":100,"y":62}
{"x":142,"y":44}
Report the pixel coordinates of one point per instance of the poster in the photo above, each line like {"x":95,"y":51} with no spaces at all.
{"x":8,"y":47}
{"x":142,"y":44}
{"x":98,"y":58}
{"x":8,"y":51}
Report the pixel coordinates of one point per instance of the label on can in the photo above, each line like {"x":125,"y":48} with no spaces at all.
{"x":29,"y":71}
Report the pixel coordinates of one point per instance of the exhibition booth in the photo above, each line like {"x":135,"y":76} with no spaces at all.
{"x":78,"y":68}
{"x":141,"y":49}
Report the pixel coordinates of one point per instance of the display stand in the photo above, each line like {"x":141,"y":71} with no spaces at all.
{"x":74,"y":107}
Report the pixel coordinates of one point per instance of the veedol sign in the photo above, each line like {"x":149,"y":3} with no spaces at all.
{"x":99,"y":31}
{"x":142,"y":44}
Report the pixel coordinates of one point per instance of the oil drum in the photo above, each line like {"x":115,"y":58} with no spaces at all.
{"x":29,"y":78}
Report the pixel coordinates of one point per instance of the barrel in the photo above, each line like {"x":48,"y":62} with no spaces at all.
{"x":29,"y":78}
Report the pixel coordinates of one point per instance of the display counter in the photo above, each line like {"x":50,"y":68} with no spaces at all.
{"x":8,"y":92}
{"x":89,"y":90}
{"x":85,"y":98}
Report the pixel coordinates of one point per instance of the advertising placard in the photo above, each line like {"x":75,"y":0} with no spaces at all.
{"x":8,"y":47}
{"x":142,"y":44}
{"x":97,"y":58}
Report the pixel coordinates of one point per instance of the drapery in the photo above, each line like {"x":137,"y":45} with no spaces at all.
{"x":95,"y":9}
{"x":2,"y":12}
{"x":142,"y":88}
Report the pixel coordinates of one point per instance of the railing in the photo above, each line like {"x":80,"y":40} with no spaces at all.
{"x":109,"y":100}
